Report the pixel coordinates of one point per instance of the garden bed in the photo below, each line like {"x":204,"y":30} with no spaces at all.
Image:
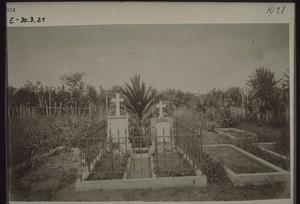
{"x":272,"y":148}
{"x":236,"y":134}
{"x":237,"y":162}
{"x":102,"y":169}
{"x":186,"y":178}
{"x":172,"y":164}
{"x":244,"y":168}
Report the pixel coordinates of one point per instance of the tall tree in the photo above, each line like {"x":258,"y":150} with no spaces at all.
{"x":75,"y":86}
{"x":235,"y":96}
{"x":285,"y":94}
{"x":285,"y":84}
{"x":138,"y":100}
{"x":92,"y":95}
{"x":264,"y":90}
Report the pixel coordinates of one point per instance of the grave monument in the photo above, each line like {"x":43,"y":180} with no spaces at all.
{"x":162,"y":128}
{"x":117,"y":127}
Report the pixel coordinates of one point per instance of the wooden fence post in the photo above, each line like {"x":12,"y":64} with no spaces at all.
{"x":47,"y":111}
{"x":55,"y":110}
{"x":50,"y":103}
{"x":21,"y":111}
{"x":60,"y":106}
{"x":40,"y":102}
{"x":201,"y":146}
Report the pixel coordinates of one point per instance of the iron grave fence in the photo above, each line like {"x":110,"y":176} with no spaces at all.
{"x":108,"y":157}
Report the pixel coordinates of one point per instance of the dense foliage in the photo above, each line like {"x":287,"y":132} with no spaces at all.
{"x":266,"y":93}
{"x":73,"y":92}
{"x":265,"y":96}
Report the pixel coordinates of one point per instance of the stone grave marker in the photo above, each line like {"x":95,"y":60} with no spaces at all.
{"x":118,"y":126}
{"x":162,"y":128}
{"x":160,"y":106}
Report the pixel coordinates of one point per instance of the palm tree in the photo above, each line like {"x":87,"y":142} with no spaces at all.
{"x":264,"y":91}
{"x":285,"y":83}
{"x":138,"y":100}
{"x":285,"y":93}
{"x":234,"y":95}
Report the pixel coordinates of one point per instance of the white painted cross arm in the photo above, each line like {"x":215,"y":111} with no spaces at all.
{"x":160,"y":106}
{"x":117,"y":100}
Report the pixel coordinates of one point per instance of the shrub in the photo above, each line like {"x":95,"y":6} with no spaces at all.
{"x":283,"y":143}
{"x":68,"y":175}
{"x":31,"y":138}
{"x":213,"y":169}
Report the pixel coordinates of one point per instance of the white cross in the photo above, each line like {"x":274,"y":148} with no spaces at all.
{"x":160,"y":106}
{"x":117,"y":100}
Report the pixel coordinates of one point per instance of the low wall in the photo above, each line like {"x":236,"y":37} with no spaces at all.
{"x":154,"y":182}
{"x":262,"y":146}
{"x":279,"y":175}
{"x":162,"y":182}
{"x":222,"y":131}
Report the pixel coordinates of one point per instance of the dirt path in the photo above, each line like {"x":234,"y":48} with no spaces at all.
{"x":139,"y":167}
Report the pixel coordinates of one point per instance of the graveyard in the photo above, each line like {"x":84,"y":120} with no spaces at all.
{"x":150,"y":112}
{"x":114,"y":156}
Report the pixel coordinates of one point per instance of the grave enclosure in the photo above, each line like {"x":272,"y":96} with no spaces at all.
{"x":170,"y":156}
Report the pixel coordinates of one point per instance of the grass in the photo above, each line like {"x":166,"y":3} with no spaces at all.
{"x":213,"y":169}
{"x":33,"y":140}
{"x":255,"y":150}
{"x":278,"y":150}
{"x":266,"y":133}
{"x":49,"y":183}
{"x":263,"y":132}
{"x":37,"y":135}
{"x":213,"y":192}
{"x":57,"y":171}
{"x":236,"y":161}
{"x":54,"y":178}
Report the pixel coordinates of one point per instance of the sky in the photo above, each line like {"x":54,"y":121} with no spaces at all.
{"x":190,"y":57}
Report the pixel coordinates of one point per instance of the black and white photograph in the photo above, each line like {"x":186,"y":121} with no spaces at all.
{"x":150,"y":112}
